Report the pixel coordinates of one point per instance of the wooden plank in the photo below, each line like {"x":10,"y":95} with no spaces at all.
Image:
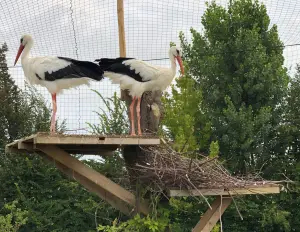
{"x":92,"y":187}
{"x":234,"y":191}
{"x":25,"y":146}
{"x":29,"y":139}
{"x":89,"y":140}
{"x":212,"y":216}
{"x":90,"y":174}
{"x":15,"y":147}
{"x":12,"y":144}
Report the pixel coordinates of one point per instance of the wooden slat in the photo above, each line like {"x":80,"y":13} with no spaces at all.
{"x":90,"y":140}
{"x":212,"y":216}
{"x":29,"y":139}
{"x":215,"y":192}
{"x":93,"y":176}
{"x":81,"y":144}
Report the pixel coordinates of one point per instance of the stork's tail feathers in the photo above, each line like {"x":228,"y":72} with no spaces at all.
{"x":105,"y":63}
{"x":86,"y":69}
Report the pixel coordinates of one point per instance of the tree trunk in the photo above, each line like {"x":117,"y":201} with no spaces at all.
{"x":151,"y":114}
{"x":151,"y":111}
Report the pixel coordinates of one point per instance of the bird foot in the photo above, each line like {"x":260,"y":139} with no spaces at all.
{"x":52,"y":129}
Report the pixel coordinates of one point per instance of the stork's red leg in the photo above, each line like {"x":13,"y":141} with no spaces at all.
{"x":132,"y":116}
{"x":54,"y":107}
{"x":138,"y":113}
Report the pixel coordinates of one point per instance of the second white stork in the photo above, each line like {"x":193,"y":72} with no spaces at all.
{"x":55,"y":73}
{"x":138,"y":77}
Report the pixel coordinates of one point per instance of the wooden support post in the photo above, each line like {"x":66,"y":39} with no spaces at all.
{"x":149,"y":121}
{"x":92,"y":187}
{"x":92,"y":180}
{"x":212,"y":216}
{"x":122,"y":40}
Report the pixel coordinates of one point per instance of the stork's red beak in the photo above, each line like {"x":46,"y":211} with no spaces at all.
{"x":179,"y":60}
{"x":19,"y":53}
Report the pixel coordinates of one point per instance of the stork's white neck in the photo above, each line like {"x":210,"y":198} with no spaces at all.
{"x":173,"y":62}
{"x":25,"y":53}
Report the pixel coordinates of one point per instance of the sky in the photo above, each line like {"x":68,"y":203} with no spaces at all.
{"x":88,"y":30}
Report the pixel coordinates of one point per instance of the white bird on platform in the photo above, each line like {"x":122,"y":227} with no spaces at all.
{"x":55,"y":73}
{"x":138,"y":77}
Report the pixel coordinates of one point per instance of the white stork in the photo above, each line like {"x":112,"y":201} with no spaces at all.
{"x":138,"y":77}
{"x":55,"y":73}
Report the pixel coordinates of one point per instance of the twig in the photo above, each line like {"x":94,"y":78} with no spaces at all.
{"x":96,"y":223}
{"x":199,"y":192}
{"x":220,"y":213}
{"x":237,"y":209}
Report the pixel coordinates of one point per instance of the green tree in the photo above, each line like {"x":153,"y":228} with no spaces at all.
{"x":50,"y":200}
{"x":21,"y":113}
{"x":238,"y":63}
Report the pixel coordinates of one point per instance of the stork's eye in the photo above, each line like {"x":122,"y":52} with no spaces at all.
{"x":21,"y":40}
{"x":177,"y":51}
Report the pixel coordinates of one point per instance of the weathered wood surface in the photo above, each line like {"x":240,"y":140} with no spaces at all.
{"x":260,"y":189}
{"x":80,"y":144}
{"x":117,"y":196}
{"x":212,"y":216}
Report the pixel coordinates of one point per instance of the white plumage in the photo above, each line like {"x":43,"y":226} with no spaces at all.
{"x":138,"y":77}
{"x":40,"y":65}
{"x":55,"y":73}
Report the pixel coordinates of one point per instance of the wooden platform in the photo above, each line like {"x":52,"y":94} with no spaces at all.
{"x":57,"y":149}
{"x":79,"y":144}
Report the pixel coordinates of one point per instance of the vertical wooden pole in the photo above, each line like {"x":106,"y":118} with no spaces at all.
{"x":122,"y":41}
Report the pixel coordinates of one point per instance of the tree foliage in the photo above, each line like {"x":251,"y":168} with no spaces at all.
{"x":238,"y":63}
{"x":236,"y":101}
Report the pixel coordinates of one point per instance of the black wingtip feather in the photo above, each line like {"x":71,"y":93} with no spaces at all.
{"x":105,"y":63}
{"x":85,"y":69}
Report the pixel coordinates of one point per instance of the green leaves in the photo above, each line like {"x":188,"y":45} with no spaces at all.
{"x":185,"y":102}
{"x":238,"y":65}
{"x":146,"y":224}
{"x":12,"y":218}
{"x":214,"y":149}
{"x":112,"y":120}
{"x":275,"y":219}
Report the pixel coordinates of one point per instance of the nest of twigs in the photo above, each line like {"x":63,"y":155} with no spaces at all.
{"x":163,"y":168}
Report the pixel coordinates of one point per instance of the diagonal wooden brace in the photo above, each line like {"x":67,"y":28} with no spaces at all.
{"x":113,"y":193}
{"x":212,"y":216}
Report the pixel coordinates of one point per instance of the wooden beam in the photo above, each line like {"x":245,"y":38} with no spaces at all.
{"x":264,"y":189}
{"x":92,"y":179}
{"x":92,"y":187}
{"x":25,"y":146}
{"x":211,"y":217}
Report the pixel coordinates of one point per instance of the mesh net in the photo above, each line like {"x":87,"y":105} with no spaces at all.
{"x":88,"y":29}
